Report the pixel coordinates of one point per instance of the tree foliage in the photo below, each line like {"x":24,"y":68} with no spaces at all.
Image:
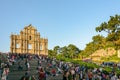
{"x":70,"y":51}
{"x":112,"y":27}
{"x":97,"y":43}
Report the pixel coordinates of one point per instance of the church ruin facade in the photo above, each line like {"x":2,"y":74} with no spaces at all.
{"x":29,"y":41}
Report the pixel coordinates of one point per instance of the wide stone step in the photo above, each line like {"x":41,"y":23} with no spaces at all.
{"x":15,"y":74}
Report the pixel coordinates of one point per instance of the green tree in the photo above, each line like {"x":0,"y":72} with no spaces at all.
{"x":98,"y":42}
{"x":112,"y":27}
{"x":70,"y":51}
{"x":56,"y":50}
{"x":64,"y":51}
{"x":89,"y":49}
{"x":73,"y":51}
{"x":51,"y":53}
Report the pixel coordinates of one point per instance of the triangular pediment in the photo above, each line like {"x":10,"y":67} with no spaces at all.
{"x":30,"y":27}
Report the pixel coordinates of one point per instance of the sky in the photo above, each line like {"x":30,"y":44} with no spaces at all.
{"x":63,"y":22}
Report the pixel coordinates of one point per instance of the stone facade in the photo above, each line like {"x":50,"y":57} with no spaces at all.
{"x":29,"y":41}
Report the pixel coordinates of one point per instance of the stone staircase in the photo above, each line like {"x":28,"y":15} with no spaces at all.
{"x":16,"y":74}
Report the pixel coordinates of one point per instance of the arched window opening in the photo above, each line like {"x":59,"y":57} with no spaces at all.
{"x":17,"y":45}
{"x":29,"y":46}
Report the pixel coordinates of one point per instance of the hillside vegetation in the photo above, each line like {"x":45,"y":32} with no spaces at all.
{"x":101,"y":48}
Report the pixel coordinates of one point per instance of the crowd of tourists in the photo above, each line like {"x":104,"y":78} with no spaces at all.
{"x":54,"y":68}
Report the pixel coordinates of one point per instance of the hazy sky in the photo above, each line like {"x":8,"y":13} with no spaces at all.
{"x":63,"y":22}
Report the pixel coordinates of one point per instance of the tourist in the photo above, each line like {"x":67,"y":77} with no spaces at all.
{"x":42,"y":75}
{"x":65,"y":75}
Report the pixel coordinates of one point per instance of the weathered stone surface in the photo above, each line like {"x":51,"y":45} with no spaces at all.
{"x":29,"y":41}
